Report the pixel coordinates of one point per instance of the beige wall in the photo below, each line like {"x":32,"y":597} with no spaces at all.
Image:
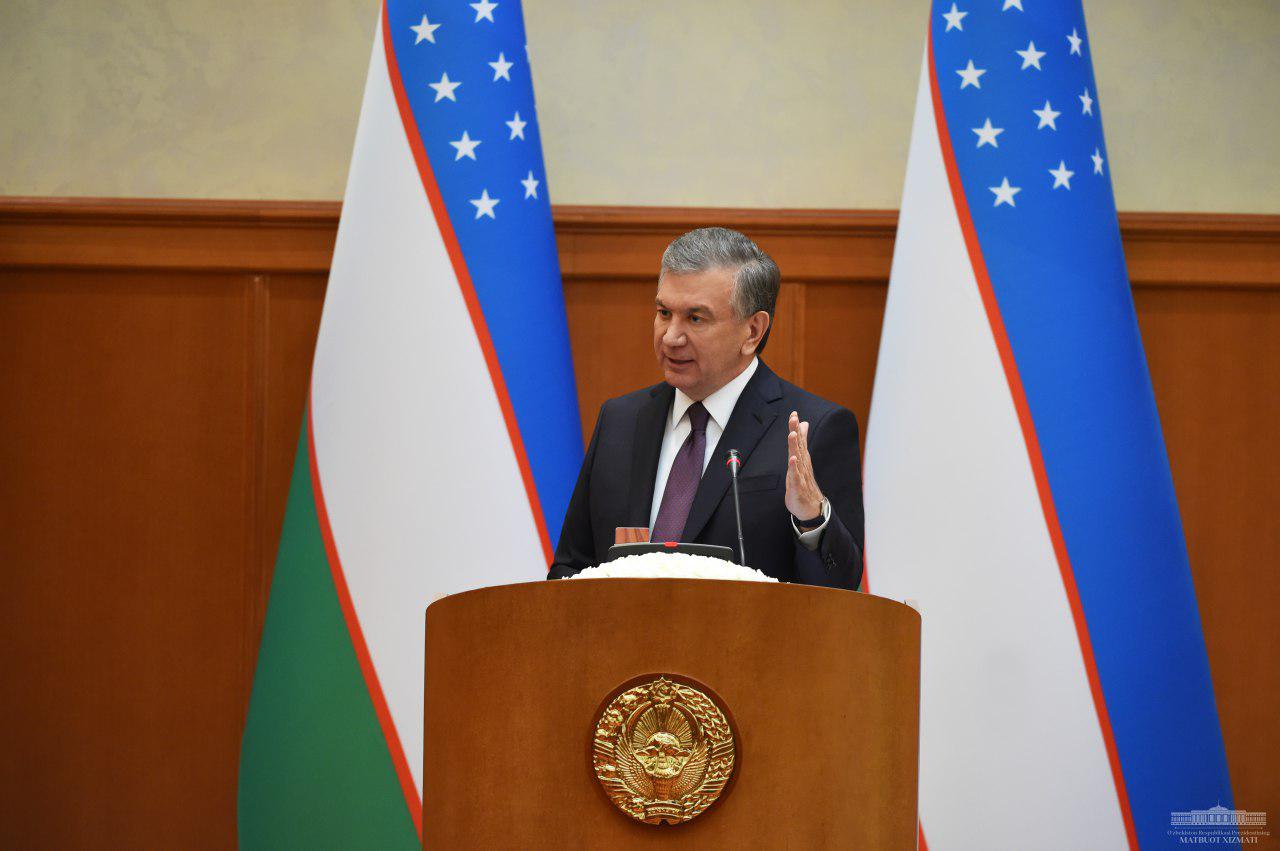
{"x":725,"y":102}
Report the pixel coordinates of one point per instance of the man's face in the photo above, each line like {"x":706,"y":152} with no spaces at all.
{"x":698,"y":339}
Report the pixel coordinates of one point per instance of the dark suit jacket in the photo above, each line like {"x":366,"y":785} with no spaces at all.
{"x":615,"y":486}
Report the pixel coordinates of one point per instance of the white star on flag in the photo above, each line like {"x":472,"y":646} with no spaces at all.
{"x":1097,"y":161}
{"x":466,"y":147}
{"x":501,"y":68}
{"x":1061,"y":177}
{"x":517,"y":127}
{"x":969,"y":76}
{"x":1047,"y":116}
{"x":987,"y":134}
{"x":426,"y":31}
{"x":484,"y":11}
{"x":1075,"y":40}
{"x":1011,"y":4}
{"x":530,"y":186}
{"x":953,"y":18}
{"x":485,"y":204}
{"x":444,"y":89}
{"x":1004,"y":193}
{"x":1086,"y":103}
{"x":1030,"y":56}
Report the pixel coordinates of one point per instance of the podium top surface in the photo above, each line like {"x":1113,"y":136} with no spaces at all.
{"x":838,"y":598}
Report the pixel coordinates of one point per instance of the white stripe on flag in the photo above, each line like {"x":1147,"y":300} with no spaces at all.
{"x":424,"y":494}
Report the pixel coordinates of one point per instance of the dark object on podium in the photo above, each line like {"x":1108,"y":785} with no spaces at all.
{"x":670,"y":714}
{"x":640,"y":547}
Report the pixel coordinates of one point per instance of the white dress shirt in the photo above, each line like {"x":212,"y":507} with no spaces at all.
{"x":719,"y":405}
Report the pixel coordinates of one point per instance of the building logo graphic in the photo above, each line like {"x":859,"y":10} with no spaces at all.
{"x":1217,"y":826}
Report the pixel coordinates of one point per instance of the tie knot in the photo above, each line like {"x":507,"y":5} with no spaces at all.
{"x":698,"y":417}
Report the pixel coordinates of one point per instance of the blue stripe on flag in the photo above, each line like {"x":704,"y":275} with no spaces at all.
{"x":509,"y":245}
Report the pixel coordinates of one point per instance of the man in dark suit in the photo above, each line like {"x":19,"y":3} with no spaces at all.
{"x":657,"y":456}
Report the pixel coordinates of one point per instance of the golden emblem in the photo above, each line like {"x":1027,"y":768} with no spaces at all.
{"x":663,"y":749}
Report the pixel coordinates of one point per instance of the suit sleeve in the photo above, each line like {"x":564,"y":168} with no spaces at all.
{"x":576,"y":547}
{"x":833,"y":445}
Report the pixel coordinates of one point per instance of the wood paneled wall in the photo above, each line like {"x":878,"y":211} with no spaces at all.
{"x":153,"y":366}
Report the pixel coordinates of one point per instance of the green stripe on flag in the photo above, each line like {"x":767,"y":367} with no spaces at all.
{"x":315,"y":771}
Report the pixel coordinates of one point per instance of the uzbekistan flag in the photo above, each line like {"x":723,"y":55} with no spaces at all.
{"x":442,"y":428}
{"x":1017,"y":486}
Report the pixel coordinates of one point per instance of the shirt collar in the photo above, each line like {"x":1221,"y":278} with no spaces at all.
{"x":719,"y":404}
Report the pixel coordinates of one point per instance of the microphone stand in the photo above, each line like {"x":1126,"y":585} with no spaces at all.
{"x":734,"y":463}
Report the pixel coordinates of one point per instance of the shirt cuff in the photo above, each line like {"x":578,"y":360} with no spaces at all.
{"x":810,"y":540}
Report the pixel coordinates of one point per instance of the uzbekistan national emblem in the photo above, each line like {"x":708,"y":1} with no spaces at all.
{"x":663,"y":749}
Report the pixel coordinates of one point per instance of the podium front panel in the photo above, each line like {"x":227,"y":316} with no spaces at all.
{"x":822,"y":686}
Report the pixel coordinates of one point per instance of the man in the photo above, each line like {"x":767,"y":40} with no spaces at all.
{"x":657,"y":457}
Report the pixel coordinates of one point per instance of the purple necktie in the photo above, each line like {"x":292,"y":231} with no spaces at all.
{"x":682,"y":482}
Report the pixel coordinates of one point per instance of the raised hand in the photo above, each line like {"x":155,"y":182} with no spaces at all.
{"x":803,"y":498}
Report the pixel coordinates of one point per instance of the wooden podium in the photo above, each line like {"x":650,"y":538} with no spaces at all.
{"x":822,"y":686}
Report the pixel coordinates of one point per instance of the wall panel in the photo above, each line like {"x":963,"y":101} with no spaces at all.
{"x":122,"y":457}
{"x":155,"y":360}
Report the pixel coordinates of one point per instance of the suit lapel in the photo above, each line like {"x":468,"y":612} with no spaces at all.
{"x":751,"y":418}
{"x":651,"y":425}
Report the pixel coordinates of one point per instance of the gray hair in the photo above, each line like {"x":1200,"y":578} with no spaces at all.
{"x":756,"y":277}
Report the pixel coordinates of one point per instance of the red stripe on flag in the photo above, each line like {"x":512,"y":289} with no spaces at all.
{"x":412,"y":798}
{"x":464,"y":283}
{"x":1034,"y":454}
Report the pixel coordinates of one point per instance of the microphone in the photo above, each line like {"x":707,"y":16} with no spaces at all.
{"x":734,"y":462}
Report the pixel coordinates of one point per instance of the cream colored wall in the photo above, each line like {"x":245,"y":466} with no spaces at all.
{"x":720,"y":102}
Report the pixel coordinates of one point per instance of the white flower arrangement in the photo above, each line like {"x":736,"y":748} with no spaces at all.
{"x":672,"y":566}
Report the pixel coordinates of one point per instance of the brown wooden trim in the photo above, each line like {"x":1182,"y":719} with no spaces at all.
{"x":257,"y":305}
{"x":663,"y":219}
{"x":851,"y":246}
{"x":196,"y":235}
